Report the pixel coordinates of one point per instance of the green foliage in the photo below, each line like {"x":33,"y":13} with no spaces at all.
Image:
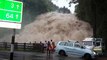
{"x":32,"y":8}
{"x":94,"y":12}
{"x":40,"y":6}
{"x":83,"y":10}
{"x":64,"y":10}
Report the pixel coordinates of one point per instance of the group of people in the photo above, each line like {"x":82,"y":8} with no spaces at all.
{"x":49,"y":46}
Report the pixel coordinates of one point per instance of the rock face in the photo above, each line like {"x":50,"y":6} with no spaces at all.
{"x":55,"y":26}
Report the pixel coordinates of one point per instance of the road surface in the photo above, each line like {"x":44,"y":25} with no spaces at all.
{"x":37,"y":56}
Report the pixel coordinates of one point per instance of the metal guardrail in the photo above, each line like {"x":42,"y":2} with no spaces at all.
{"x":22,"y":46}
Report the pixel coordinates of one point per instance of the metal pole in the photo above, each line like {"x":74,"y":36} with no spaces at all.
{"x":12,"y":45}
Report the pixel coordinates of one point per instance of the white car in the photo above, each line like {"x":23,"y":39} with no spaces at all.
{"x":74,"y":49}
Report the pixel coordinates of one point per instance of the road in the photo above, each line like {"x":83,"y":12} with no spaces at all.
{"x":36,"y":56}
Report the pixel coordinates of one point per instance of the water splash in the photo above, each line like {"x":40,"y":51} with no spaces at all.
{"x":55,"y":26}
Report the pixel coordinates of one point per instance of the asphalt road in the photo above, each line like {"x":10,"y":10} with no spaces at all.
{"x":34,"y":56}
{"x":37,"y":56}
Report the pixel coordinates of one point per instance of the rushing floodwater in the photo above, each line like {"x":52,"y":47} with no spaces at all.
{"x":55,"y":26}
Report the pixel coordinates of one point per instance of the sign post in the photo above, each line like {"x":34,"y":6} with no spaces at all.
{"x":11,"y":17}
{"x":12,"y":45}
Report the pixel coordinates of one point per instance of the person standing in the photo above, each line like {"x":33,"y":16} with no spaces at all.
{"x":48,"y":48}
{"x":53,"y":46}
{"x":41,"y":47}
{"x":45,"y":46}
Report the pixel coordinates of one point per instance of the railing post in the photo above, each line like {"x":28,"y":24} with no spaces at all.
{"x":5,"y":45}
{"x":24,"y":46}
{"x":16,"y":47}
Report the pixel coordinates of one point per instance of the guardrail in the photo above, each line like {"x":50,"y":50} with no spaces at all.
{"x":22,"y":46}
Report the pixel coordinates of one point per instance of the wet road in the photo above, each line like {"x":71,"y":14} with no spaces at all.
{"x":37,"y":56}
{"x":34,"y":56}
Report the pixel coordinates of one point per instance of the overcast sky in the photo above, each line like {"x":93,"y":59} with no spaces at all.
{"x":62,"y":3}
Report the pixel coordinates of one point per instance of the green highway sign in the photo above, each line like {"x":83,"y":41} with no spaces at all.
{"x":10,"y":16}
{"x":14,"y":6}
{"x":11,"y":11}
{"x":10,"y":0}
{"x":2,"y":4}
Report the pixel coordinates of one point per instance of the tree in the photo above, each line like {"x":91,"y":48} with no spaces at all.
{"x":32,"y":8}
{"x":64,"y":10}
{"x":94,"y":12}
